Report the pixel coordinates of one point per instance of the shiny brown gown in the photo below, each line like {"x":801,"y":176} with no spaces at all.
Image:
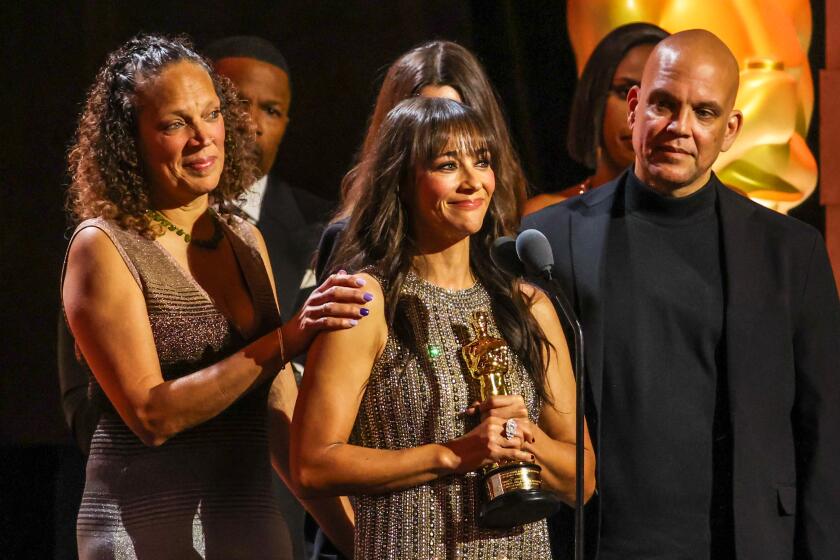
{"x":206,"y":492}
{"x":416,"y":394}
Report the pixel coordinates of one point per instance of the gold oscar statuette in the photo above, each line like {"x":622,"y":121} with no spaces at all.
{"x":512,"y":490}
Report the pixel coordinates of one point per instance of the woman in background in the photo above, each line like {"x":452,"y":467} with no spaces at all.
{"x":403,"y":432}
{"x":599,"y":136}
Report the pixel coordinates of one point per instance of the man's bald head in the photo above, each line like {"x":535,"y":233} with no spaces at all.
{"x":696,"y":48}
{"x":682,"y":115}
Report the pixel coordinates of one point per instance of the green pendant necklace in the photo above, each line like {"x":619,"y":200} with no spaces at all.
{"x":208,"y":244}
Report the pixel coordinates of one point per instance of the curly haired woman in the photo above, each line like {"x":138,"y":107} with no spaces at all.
{"x":171,"y":302}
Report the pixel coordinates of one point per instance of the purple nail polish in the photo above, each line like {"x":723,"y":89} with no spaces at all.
{"x":360,"y":282}
{"x":364,"y":311}
{"x":353,"y":322}
{"x":368,"y":296}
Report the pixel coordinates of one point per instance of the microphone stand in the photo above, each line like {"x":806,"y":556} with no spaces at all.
{"x":562,"y":303}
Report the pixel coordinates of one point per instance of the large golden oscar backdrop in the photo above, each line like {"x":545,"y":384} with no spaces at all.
{"x":770,"y":161}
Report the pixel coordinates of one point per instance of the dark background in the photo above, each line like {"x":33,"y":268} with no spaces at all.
{"x":337,"y":52}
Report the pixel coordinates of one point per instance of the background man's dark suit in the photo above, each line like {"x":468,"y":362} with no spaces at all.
{"x":782,"y":321}
{"x":291,"y":221}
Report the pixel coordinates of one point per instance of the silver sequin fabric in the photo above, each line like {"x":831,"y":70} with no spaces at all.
{"x":206,"y":492}
{"x":416,"y":393}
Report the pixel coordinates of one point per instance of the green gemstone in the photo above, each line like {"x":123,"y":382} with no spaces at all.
{"x":187,"y":237}
{"x":434,"y":351}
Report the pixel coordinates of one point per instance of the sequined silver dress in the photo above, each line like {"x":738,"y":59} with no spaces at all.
{"x":206,"y":492}
{"x":415,"y":394}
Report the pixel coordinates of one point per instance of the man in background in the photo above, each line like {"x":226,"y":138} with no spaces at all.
{"x":290,"y":219}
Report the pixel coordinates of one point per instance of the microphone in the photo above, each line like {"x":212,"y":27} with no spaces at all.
{"x":534,"y":253}
{"x":534,"y":250}
{"x":503,"y":254}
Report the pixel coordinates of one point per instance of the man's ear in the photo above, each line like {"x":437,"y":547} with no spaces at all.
{"x":632,"y":103}
{"x":733,"y":127}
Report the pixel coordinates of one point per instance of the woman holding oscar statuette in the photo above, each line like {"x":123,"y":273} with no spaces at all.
{"x":388,"y":411}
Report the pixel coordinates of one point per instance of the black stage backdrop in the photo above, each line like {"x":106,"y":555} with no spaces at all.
{"x":337,"y":52}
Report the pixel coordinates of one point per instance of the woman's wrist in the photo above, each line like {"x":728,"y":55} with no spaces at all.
{"x":540,"y":439}
{"x":445,"y":460}
{"x":294,"y":339}
{"x":268,"y":352}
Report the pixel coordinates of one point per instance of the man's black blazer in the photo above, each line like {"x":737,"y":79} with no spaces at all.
{"x":291,"y":221}
{"x":783,"y":362}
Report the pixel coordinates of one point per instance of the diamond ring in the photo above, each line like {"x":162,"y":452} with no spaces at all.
{"x":510,"y":428}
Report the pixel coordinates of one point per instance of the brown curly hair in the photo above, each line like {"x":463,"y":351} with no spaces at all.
{"x":106,"y":172}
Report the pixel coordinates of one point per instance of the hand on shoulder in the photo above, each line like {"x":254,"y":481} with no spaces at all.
{"x":366,"y":310}
{"x":340,"y":302}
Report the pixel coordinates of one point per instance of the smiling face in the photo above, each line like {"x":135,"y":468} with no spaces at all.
{"x":264,"y":88}
{"x":682,"y":115}
{"x":451,"y":195}
{"x":180,"y":132}
{"x":616,"y":137}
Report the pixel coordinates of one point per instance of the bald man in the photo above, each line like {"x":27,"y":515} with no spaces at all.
{"x":713,"y":336}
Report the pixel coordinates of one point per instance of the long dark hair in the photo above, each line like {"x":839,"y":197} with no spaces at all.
{"x":442,"y":63}
{"x":379,"y":234}
{"x":587,"y":115}
{"x":106,"y":170}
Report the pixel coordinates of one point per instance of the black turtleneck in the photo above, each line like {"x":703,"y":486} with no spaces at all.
{"x":663,"y":402}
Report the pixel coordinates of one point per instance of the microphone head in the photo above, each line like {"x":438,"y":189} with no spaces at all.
{"x":534,"y":250}
{"x":503,"y":253}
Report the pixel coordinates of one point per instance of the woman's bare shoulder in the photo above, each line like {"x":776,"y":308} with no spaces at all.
{"x":538,"y":302}
{"x":93,"y":243}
